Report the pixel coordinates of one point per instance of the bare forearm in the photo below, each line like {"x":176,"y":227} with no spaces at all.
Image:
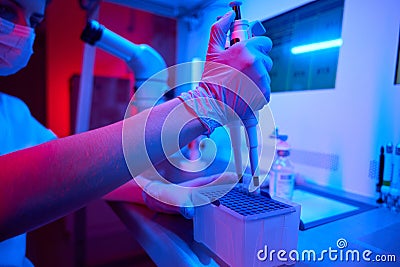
{"x":43,"y":183}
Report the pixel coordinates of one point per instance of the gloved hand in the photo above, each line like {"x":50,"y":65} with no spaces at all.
{"x":169,"y":198}
{"x":235,"y":81}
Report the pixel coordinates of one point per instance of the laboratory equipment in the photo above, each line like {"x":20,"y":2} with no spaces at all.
{"x":388,"y":171}
{"x":235,"y":133}
{"x":380,"y":174}
{"x":142,"y":59}
{"x":239,"y":31}
{"x":395,"y":199}
{"x":243,"y":228}
{"x":385,"y":190}
{"x":392,"y":200}
{"x":396,"y":167}
{"x":281,"y":175}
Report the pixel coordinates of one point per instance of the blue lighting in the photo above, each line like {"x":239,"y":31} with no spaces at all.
{"x":316,"y":46}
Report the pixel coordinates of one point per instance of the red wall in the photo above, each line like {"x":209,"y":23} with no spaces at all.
{"x":64,"y":24}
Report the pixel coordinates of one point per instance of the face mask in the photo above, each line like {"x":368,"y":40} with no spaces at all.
{"x":16,"y":44}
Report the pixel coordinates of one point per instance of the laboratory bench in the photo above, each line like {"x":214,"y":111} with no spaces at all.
{"x":168,"y":239}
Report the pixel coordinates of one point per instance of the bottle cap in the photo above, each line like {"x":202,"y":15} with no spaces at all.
{"x":389,"y":148}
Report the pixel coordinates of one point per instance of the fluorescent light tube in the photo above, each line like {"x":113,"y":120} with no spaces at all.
{"x":316,"y":46}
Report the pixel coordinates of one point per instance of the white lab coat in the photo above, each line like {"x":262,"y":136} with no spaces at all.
{"x":18,"y":130}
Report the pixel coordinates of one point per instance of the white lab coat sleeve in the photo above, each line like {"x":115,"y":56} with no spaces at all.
{"x":18,"y":130}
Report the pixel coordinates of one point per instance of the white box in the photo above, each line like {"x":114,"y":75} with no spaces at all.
{"x":244,"y":229}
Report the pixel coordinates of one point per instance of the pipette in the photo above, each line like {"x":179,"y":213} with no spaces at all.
{"x":239,"y":31}
{"x":235,"y":132}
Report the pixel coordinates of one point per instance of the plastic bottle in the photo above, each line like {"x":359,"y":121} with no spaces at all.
{"x":282,"y":177}
{"x":396,"y":168}
{"x":395,"y":184}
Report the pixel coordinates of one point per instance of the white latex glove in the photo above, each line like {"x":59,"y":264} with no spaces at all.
{"x":235,"y":81}
{"x":180,"y":201}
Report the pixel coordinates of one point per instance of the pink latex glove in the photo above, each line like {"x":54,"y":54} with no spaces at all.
{"x":235,"y":82}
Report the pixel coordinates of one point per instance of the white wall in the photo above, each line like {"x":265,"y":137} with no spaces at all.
{"x":359,"y":115}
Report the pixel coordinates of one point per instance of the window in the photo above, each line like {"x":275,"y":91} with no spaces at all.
{"x":306,"y":45}
{"x":397,"y":75}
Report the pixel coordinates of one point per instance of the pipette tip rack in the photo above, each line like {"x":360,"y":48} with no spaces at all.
{"x":238,"y":225}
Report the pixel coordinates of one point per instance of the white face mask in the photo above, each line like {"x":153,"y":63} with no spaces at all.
{"x":16,"y":46}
